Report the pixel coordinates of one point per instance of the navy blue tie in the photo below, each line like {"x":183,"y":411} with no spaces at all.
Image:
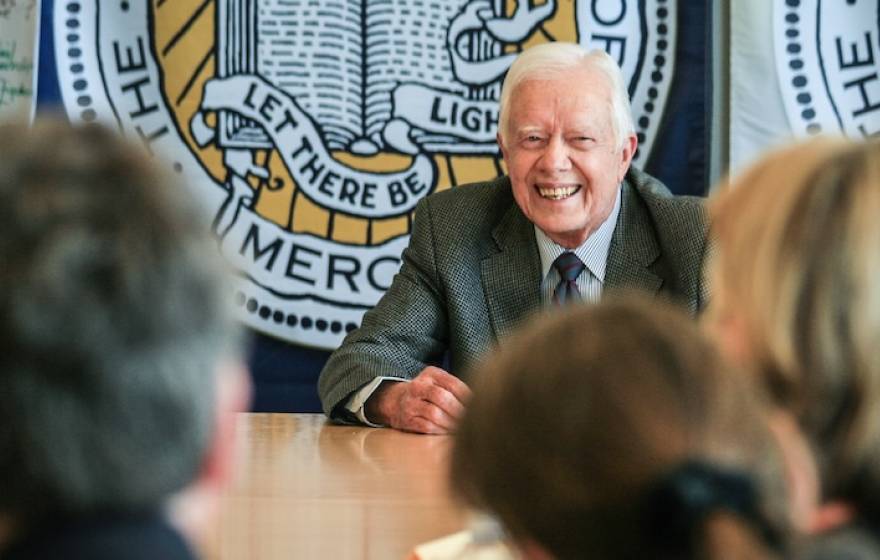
{"x":569,"y":267}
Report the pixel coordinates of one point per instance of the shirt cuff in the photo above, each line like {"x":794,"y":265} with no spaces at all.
{"x":356,"y":401}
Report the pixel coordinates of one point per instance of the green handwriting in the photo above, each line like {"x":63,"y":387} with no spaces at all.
{"x":8,"y":61}
{"x":10,"y":93}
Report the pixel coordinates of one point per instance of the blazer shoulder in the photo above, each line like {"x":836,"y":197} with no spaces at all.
{"x":472,"y":194}
{"x":682,"y":217}
{"x":465,"y":208}
{"x":680,"y":225}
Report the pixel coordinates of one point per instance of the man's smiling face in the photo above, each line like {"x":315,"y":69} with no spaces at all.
{"x":564,"y":162}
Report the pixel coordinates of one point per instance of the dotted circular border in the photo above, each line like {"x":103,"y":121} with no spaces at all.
{"x":656,"y":75}
{"x":796,"y":64}
{"x":87,"y":113}
{"x":305,"y":322}
{"x":74,"y":52}
{"x":77,"y":68}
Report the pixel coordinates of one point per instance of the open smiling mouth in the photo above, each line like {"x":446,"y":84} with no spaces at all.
{"x":557,"y":192}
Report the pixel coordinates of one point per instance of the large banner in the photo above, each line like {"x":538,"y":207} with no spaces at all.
{"x":310,"y":130}
{"x":800,"y":68}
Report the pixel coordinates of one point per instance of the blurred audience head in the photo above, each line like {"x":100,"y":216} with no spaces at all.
{"x":615,"y":429}
{"x":795,"y":299}
{"x":119,"y":356}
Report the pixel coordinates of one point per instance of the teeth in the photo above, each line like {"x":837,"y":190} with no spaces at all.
{"x":557,"y":193}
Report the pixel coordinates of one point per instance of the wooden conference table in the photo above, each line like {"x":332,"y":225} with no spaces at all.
{"x":309,"y":489}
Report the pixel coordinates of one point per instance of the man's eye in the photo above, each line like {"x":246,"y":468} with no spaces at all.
{"x":582,"y":142}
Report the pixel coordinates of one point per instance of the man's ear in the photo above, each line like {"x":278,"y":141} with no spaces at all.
{"x":501,"y":145}
{"x":809,"y":514}
{"x":232,"y":395}
{"x":194,"y":508}
{"x":627,"y":152}
{"x":801,"y":472}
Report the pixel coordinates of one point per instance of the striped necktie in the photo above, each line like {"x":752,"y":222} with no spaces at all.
{"x":569,"y":267}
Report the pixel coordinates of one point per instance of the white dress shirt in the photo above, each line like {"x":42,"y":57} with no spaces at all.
{"x":593,"y":253}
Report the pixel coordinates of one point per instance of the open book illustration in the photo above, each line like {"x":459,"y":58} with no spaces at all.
{"x":342,"y":61}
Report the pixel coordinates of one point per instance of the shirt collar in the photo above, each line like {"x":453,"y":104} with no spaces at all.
{"x":593,"y":252}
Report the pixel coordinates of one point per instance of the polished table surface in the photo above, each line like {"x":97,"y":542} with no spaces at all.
{"x":306,"y":488}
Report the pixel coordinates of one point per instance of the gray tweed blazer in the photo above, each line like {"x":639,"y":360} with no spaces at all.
{"x":472,"y":273}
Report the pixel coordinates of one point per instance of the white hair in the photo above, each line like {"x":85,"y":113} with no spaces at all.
{"x":553,"y":61}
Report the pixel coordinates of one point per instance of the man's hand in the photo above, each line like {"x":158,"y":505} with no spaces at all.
{"x":431,"y":403}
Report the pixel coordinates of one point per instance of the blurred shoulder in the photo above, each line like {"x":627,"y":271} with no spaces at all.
{"x":663,"y":204}
{"x":472,"y":198}
{"x":470,"y":210}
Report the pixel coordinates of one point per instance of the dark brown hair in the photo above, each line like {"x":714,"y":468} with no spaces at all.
{"x":579,"y":418}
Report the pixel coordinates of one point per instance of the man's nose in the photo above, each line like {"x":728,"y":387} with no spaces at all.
{"x":556,"y":156}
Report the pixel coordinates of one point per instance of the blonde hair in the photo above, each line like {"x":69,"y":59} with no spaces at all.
{"x":797,"y":241}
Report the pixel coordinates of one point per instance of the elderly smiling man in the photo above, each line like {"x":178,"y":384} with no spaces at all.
{"x":571,"y":222}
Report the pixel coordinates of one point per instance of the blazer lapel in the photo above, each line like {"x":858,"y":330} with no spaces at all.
{"x":634,"y":247}
{"x":512,"y":277}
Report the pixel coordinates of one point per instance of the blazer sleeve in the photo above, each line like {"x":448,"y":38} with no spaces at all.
{"x":404,"y":332}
